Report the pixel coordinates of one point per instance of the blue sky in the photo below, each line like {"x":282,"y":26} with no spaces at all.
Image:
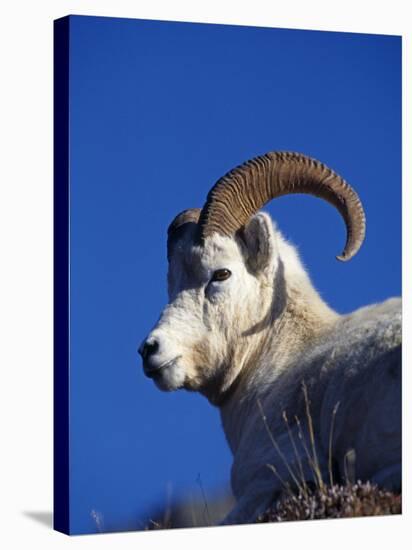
{"x":158,"y":112}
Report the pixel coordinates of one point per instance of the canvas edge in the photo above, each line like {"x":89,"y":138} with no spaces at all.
{"x":61,"y":504}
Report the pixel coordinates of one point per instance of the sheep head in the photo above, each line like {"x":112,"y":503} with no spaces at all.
{"x":225,"y":272}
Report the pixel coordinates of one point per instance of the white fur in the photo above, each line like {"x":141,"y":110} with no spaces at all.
{"x":254,"y":338}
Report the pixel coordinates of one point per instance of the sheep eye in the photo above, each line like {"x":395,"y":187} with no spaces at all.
{"x":221,"y":275}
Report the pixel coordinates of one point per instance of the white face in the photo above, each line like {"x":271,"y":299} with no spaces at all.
{"x":215,"y":301}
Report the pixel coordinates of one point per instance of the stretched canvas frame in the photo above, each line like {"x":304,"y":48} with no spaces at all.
{"x":380,"y":111}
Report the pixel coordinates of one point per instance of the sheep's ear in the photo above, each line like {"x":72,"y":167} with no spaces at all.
{"x":260,"y":240}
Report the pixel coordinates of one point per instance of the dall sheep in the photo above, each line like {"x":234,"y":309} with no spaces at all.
{"x":246,"y":328}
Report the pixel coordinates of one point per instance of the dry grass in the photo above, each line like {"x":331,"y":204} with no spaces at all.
{"x":302,"y":499}
{"x":337,"y":501}
{"x":317,"y":498}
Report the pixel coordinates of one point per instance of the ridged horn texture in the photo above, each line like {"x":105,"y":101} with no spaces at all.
{"x":246,"y":189}
{"x":180,"y":222}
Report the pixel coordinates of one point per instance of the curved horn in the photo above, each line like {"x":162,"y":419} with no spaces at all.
{"x":175,"y":229}
{"x":244,"y":190}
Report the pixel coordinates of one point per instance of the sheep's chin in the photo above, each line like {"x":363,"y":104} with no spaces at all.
{"x":170,"y":379}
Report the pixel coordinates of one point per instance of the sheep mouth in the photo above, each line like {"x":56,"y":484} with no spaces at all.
{"x":155,"y":372}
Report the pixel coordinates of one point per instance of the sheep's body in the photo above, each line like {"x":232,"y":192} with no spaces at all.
{"x":245,"y":327}
{"x":356,"y":364}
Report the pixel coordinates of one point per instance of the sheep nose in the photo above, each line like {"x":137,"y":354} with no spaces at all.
{"x":149,"y":347}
